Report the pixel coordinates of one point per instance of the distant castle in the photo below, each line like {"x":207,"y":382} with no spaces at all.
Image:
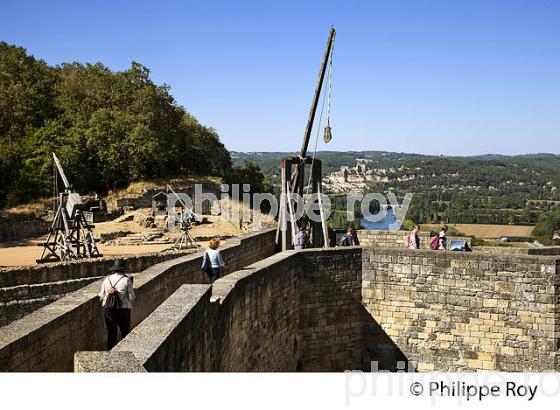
{"x":356,"y":178}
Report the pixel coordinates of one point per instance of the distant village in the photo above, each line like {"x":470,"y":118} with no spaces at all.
{"x":358,"y":177}
{"x":353,"y":179}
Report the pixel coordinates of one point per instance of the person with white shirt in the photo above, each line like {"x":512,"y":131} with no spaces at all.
{"x":443,"y":237}
{"x":212,"y":261}
{"x":118,"y":315}
{"x":301,"y":241}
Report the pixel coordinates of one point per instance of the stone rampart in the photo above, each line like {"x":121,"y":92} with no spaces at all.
{"x":466,"y":311}
{"x":18,"y":226}
{"x":395,"y":239}
{"x":293,"y":311}
{"x":47,"y":339}
{"x":27,"y":288}
{"x":340,"y":309}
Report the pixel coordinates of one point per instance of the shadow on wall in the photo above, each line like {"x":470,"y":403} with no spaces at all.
{"x":47,"y":339}
{"x":294,"y":311}
{"x":336,"y":332}
{"x":383,"y":353}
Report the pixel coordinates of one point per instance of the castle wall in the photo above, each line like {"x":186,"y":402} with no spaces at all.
{"x":77,"y":269}
{"x":340,"y":309}
{"x":24,"y":289}
{"x":395,"y":239}
{"x":455,"y":311}
{"x":15,"y":227}
{"x":292,"y":311}
{"x":47,"y":339}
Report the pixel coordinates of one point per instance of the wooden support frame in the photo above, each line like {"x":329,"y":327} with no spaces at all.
{"x":286,"y":234}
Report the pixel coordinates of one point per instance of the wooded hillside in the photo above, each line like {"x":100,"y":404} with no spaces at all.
{"x":108,"y":128}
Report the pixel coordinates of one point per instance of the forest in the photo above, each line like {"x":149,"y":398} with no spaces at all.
{"x":108,"y":128}
{"x":486,"y":189}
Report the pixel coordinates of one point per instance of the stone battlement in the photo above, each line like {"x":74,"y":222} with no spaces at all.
{"x":339,"y":309}
{"x":395,"y":239}
{"x":291,"y":311}
{"x":24,"y":289}
{"x":46,"y":339}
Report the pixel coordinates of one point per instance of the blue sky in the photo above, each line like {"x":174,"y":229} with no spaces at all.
{"x":439,"y":77}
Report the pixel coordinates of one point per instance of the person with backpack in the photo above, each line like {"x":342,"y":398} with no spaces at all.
{"x":212,"y":261}
{"x":412,"y":240}
{"x":301,"y":241}
{"x":348,"y":238}
{"x":439,"y":242}
{"x":117,"y":294}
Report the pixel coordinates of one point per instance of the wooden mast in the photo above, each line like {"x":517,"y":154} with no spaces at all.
{"x":297,"y":186}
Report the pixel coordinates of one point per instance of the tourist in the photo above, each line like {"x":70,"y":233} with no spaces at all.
{"x":301,"y":241}
{"x":443,"y":238}
{"x":212,"y":261}
{"x":412,"y":240}
{"x":116,"y":296}
{"x":348,"y":238}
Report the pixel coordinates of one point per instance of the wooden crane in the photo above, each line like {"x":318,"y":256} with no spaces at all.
{"x":294,"y":169}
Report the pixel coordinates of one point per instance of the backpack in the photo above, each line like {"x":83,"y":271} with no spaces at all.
{"x":113,"y":300}
{"x":206,"y":265}
{"x":435,"y":243}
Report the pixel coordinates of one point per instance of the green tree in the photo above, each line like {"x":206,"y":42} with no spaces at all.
{"x":108,"y":128}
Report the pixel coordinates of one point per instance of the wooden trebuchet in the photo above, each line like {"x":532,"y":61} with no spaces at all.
{"x":70,"y":235}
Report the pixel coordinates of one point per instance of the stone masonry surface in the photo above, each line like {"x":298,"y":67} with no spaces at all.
{"x":457,"y":311}
{"x":284,"y":313}
{"x":25,"y":289}
{"x":395,"y":239}
{"x":46,"y":339}
{"x":340,"y":309}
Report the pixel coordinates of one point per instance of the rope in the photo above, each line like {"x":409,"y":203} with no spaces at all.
{"x":329,"y":79}
{"x":316,"y":142}
{"x":330,"y":87}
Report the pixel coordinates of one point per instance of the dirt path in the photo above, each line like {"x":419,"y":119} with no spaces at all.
{"x":26,"y":254}
{"x":27,"y":251}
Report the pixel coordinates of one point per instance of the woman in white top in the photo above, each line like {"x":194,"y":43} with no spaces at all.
{"x":212,"y":261}
{"x":117,"y":294}
{"x":443,"y":237}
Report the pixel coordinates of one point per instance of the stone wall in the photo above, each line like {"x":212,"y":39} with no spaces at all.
{"x":246,"y":322}
{"x":341,"y":309}
{"x":258,"y":317}
{"x":175,"y":336}
{"x":395,"y":239}
{"x":78,"y":269}
{"x":24,"y":289}
{"x":293,"y":311}
{"x":18,"y":301}
{"x":510,"y":250}
{"x":336,"y":332}
{"x":47,"y":339}
{"x":14,"y":227}
{"x":454,"y":311}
